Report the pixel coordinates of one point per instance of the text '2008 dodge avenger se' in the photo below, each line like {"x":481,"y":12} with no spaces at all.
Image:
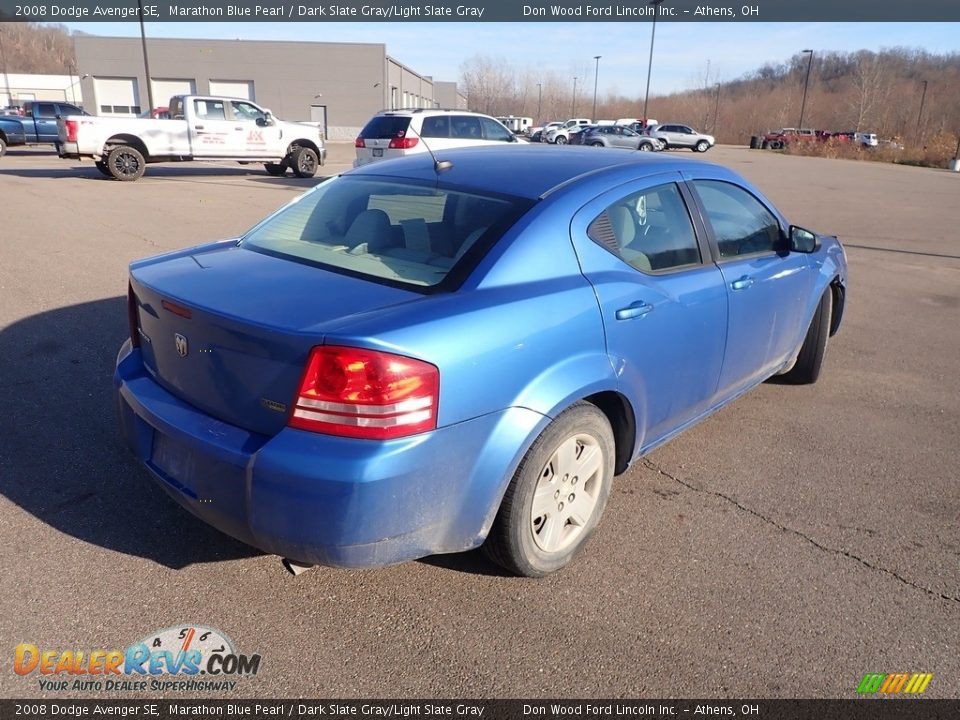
{"x":429,"y":354}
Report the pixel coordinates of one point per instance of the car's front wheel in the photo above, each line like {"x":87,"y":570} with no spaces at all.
{"x":561,"y":140}
{"x":557,"y":496}
{"x":596,"y":144}
{"x":645,"y":147}
{"x":806,"y":369}
{"x":3,"y":147}
{"x":304,"y":162}
{"x":702,"y":146}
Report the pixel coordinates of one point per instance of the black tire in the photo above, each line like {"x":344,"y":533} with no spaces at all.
{"x":806,"y":369}
{"x":304,"y":162}
{"x":560,"y":140}
{"x":516,"y":539}
{"x":126,"y":163}
{"x":3,"y":147}
{"x":276,"y":169}
{"x":645,"y":147}
{"x":702,"y":146}
{"x":102,"y":167}
{"x":596,"y":144}
{"x":776,"y":145}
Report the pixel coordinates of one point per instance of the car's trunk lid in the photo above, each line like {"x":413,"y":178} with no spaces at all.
{"x":229,"y":330}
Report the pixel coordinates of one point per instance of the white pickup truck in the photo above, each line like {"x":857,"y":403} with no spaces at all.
{"x":199,"y":127}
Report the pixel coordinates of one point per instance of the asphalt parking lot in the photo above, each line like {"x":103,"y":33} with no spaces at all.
{"x":799,"y":538}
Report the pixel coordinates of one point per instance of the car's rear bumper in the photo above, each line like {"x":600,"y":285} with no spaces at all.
{"x":323,"y":499}
{"x":68,"y":150}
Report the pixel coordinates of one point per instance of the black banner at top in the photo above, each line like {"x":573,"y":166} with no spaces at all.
{"x":481,"y":10}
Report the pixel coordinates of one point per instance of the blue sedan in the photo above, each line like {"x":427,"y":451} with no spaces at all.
{"x":431,"y":354}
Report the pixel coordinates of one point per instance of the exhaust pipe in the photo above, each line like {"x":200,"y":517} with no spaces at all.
{"x":295,"y":568}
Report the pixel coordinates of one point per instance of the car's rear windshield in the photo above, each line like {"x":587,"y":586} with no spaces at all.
{"x":382,"y":127}
{"x":398,"y":231}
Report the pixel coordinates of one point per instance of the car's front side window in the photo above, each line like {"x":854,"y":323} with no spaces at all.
{"x":741,"y":224}
{"x":244,"y":111}
{"x":651,"y":230}
{"x":492,"y":130}
{"x":465,"y":127}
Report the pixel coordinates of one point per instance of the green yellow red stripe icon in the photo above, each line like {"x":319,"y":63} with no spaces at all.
{"x":894,"y":683}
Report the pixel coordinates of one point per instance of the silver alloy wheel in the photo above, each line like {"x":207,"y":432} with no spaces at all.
{"x":567,"y":492}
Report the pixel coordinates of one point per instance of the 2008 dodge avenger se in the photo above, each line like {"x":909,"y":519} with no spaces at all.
{"x":429,"y":354}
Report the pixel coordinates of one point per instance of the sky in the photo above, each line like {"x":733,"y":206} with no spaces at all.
{"x":681,"y":52}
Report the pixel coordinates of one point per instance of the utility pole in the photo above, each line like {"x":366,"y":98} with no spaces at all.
{"x":923,"y":97}
{"x":716,"y":112}
{"x":806,"y":85}
{"x":653,"y":35}
{"x":596,"y":76}
{"x":573,"y":105}
{"x":146,"y":62}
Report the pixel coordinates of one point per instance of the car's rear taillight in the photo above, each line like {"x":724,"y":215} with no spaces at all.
{"x":354,"y":392}
{"x":133,"y":319}
{"x":71,"y":126}
{"x":403,"y":142}
{"x":359,"y":143}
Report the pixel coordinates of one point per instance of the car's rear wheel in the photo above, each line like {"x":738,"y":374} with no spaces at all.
{"x":103,"y":168}
{"x":3,"y":147}
{"x":776,"y":145}
{"x":702,"y":146}
{"x":304,"y":162}
{"x":276,"y":169}
{"x":807,"y":367}
{"x":561,"y":140}
{"x":557,"y":496}
{"x":126,"y":163}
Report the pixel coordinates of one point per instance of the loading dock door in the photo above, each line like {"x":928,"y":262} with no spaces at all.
{"x":232,"y":88}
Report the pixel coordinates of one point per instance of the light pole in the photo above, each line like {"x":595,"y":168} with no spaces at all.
{"x":806,"y":85}
{"x":923,"y":97}
{"x":539,"y":100}
{"x":596,"y":76}
{"x":573,"y":104}
{"x":146,"y":62}
{"x":653,"y":34}
{"x":6,"y":78}
{"x":716,"y":112}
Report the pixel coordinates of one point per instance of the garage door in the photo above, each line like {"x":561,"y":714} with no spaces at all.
{"x":163,"y":90}
{"x":233,"y":88}
{"x":117,"y":96}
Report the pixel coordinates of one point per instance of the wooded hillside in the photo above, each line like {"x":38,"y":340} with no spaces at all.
{"x":876,"y":92}
{"x":35,"y":48}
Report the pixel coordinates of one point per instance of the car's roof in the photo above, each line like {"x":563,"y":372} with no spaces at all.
{"x":524,"y":171}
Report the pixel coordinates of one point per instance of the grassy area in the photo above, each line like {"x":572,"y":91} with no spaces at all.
{"x":937,"y":152}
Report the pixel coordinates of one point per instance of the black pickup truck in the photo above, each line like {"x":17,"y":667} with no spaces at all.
{"x":38,"y":126}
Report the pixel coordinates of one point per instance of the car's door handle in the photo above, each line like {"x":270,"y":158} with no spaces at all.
{"x":238,"y":127}
{"x":634,"y":310}
{"x":198,"y":127}
{"x":743,"y":283}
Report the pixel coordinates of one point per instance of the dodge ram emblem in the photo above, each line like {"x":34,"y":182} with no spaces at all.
{"x":181,"y":344}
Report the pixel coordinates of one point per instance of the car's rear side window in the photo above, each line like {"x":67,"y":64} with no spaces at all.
{"x":651,"y":230}
{"x":398,"y":231}
{"x":383,"y":127}
{"x":436,"y":127}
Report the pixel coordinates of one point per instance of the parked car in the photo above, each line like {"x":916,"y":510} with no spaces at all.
{"x":577,"y":134}
{"x":158,"y":113}
{"x":537,"y":135}
{"x":866,"y":139}
{"x":620,"y":137}
{"x":560,"y":135}
{"x":368,"y":376}
{"x":396,"y":133}
{"x":682,"y":136}
{"x":779,"y":139}
{"x":37,"y":126}
{"x":203,"y":127}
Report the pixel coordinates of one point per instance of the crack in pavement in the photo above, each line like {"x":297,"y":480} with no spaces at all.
{"x":844,"y":553}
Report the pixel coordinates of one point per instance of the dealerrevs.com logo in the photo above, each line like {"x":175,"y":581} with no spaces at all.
{"x":185,"y":657}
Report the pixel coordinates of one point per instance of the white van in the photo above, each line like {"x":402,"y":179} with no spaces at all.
{"x":515,"y":124}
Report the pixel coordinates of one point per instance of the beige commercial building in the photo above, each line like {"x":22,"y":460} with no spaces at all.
{"x":339,"y":86}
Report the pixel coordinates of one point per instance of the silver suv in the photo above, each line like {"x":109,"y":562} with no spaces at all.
{"x":674,"y":135}
{"x":396,"y":133}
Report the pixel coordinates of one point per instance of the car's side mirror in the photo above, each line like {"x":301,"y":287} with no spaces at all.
{"x":266,"y":120}
{"x":802,"y":240}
